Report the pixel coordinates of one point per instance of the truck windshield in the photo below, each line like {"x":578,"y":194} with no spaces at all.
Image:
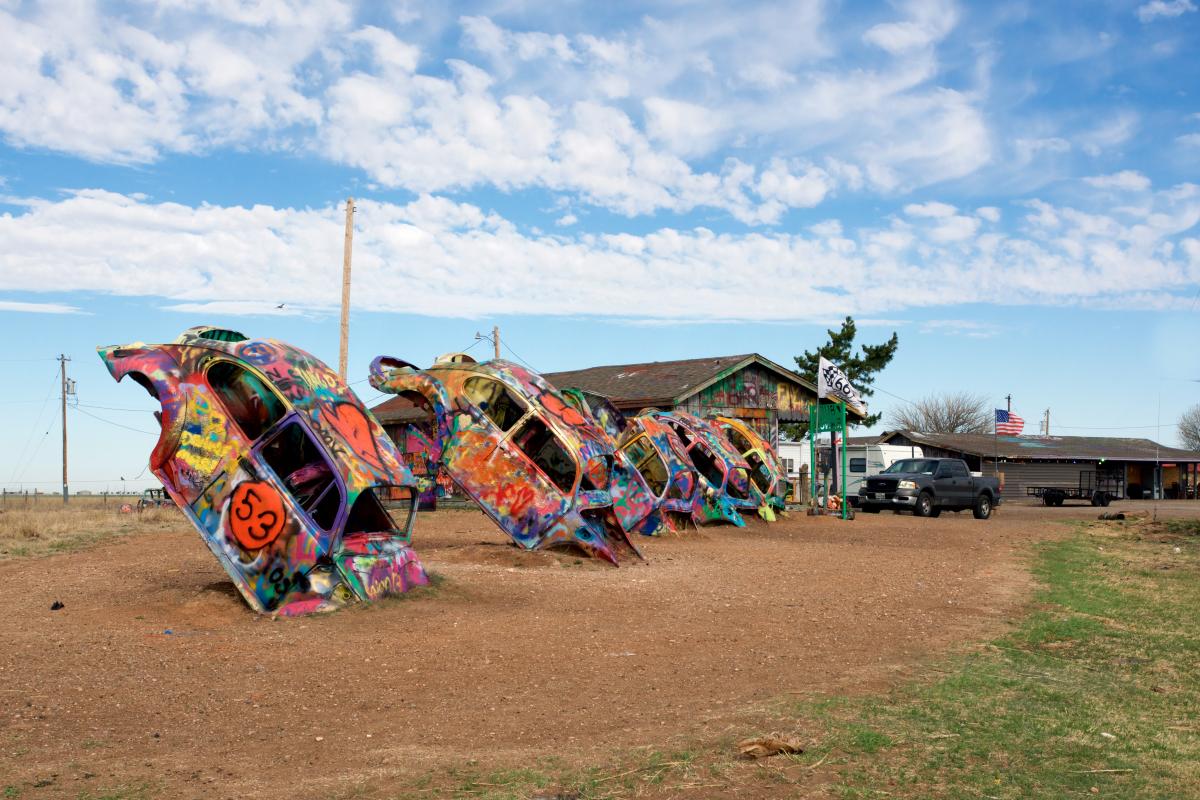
{"x":923,"y":465}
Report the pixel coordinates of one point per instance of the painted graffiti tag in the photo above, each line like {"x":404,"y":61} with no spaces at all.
{"x":256,"y":514}
{"x":350,"y":423}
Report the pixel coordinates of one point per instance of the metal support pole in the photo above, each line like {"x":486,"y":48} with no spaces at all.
{"x":812,"y":452}
{"x":845,"y":476}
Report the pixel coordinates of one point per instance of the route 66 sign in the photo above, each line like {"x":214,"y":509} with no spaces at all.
{"x":832,"y":382}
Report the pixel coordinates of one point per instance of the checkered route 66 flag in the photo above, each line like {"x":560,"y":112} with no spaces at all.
{"x":832,"y":382}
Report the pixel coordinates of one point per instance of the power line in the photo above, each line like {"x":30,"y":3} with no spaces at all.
{"x":111,"y":408}
{"x":36,"y":450}
{"x":37,"y":424}
{"x":116,"y":424}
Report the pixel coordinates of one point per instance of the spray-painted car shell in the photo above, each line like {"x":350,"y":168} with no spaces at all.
{"x":600,"y":408}
{"x":514,"y":445}
{"x":634,"y":502}
{"x":279,"y":466}
{"x":726,"y":489}
{"x":679,"y":487}
{"x":766,"y":470}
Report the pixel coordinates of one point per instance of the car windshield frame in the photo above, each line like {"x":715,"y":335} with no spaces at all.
{"x":922,"y":466}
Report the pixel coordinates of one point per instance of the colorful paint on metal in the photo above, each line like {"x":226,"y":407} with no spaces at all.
{"x":661,"y":457}
{"x":635,"y":504}
{"x":726,"y":488}
{"x":601,"y":409}
{"x":280,"y":467}
{"x":540,"y":469}
{"x":766,"y":470}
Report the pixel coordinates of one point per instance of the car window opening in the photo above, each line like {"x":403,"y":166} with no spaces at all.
{"x":649,"y":463}
{"x":759,"y":473}
{"x":706,"y":464}
{"x":368,"y":515}
{"x":494,"y":399}
{"x":681,"y":432}
{"x":537,"y":441}
{"x":596,"y":473}
{"x":739,"y":441}
{"x":738,"y":486}
{"x":253,"y":405}
{"x":306,"y":473}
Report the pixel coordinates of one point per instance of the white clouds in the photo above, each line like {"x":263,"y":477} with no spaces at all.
{"x":1148,"y":12}
{"x":37,"y":308}
{"x":439,"y":257}
{"x":1124,"y":181}
{"x":616,"y":119}
{"x":1189,"y":140}
{"x":930,"y":21}
{"x":1109,"y":134}
{"x":114,"y":89}
{"x":687,"y":129}
{"x":932,"y":210}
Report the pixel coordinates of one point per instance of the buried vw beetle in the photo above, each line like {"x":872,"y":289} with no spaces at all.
{"x":280,"y":467}
{"x":725,"y":486}
{"x":535,"y":465}
{"x":636,"y":502}
{"x":766,"y":470}
{"x":661,"y":458}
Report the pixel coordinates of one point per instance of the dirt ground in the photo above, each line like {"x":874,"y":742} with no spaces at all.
{"x":156,"y":672}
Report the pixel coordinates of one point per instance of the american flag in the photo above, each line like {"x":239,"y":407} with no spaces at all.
{"x":1008,"y":423}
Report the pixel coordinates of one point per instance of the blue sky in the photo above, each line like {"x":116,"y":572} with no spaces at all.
{"x":1012,"y":187}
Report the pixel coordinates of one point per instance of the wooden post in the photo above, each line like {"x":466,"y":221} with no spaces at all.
{"x":344,"y":347}
{"x":496,"y":339}
{"x":62,"y":361}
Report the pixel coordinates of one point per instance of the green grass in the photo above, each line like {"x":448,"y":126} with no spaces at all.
{"x":1095,"y":693}
{"x":1098,"y":688}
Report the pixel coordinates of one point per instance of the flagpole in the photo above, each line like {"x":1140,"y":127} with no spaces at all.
{"x":812,"y":451}
{"x":996,"y":443}
{"x":845,"y":477}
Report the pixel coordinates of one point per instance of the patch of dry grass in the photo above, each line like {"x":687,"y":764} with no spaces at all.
{"x":52,"y":528}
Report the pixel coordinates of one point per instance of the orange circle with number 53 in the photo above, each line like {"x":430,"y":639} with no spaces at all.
{"x":256,"y":514}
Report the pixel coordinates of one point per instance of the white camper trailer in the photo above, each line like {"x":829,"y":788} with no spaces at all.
{"x":865,"y":460}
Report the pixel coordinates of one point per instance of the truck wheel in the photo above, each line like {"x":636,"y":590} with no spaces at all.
{"x":1095,"y":498}
{"x":1105,"y":499}
{"x":983,"y":507}
{"x":1047,"y":499}
{"x":924,"y":506}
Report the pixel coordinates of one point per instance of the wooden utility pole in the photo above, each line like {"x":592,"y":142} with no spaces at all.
{"x":62,"y":361}
{"x":496,"y":339}
{"x":1046,"y":422}
{"x":344,"y":348}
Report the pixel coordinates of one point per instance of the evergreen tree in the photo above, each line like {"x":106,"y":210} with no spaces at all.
{"x":860,"y":368}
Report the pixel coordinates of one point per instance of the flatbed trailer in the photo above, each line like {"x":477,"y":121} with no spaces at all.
{"x":1099,"y":490}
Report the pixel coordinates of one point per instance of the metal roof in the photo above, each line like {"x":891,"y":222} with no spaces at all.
{"x":664,"y":383}
{"x":1049,"y":448}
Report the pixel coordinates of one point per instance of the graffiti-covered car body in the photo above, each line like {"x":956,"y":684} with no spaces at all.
{"x":766,"y":470}
{"x":601,"y":409}
{"x":726,"y":488}
{"x":535,"y":465}
{"x":635,"y":503}
{"x":280,"y":467}
{"x":661,"y":457}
